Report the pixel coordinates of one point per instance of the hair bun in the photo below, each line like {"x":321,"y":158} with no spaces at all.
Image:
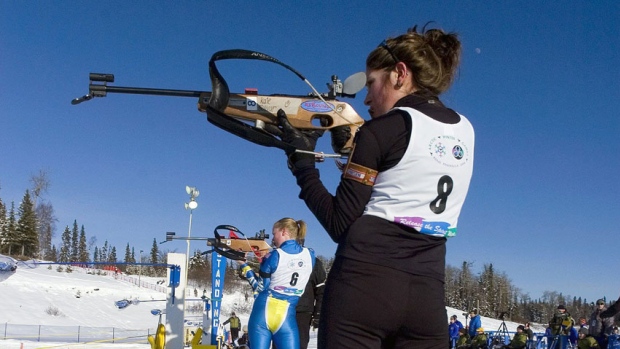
{"x":443,"y":44}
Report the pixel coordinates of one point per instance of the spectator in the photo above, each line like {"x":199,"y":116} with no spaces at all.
{"x":474,"y":322}
{"x":528,"y":331}
{"x":480,"y":340}
{"x":519,"y":340}
{"x":601,"y":325}
{"x":530,"y":335}
{"x":562,"y":322}
{"x":612,"y":311}
{"x":308,"y":310}
{"x":453,"y":328}
{"x":548,"y":336}
{"x":235,"y":326}
{"x":573,"y":336}
{"x":586,"y":341}
{"x":243,"y":340}
{"x":583,"y":323}
{"x":463,"y":341}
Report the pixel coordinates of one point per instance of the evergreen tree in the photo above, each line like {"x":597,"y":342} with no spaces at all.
{"x":487,"y":290}
{"x":112,"y":255}
{"x":96,"y":258}
{"x":466,"y":289}
{"x":27,"y":235}
{"x":74,"y":242}
{"x":82,"y":249}
{"x":129,"y":269}
{"x":65,"y":247}
{"x":507,"y":296}
{"x":103,"y":252}
{"x":11,"y":231}
{"x":4,"y":225}
{"x":200,"y":270}
{"x":154,"y":258}
{"x":154,"y":252}
{"x":127,"y":254}
{"x":53,"y":255}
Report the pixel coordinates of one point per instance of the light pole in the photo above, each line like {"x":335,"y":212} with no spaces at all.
{"x":140,"y":273}
{"x":191,"y":206}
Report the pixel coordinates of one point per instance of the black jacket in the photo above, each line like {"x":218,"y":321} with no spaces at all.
{"x":310,"y":302}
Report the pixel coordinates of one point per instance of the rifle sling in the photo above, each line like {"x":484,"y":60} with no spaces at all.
{"x":245,"y":131}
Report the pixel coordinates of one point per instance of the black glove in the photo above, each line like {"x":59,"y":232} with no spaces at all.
{"x":340,"y":137}
{"x":302,"y":140}
{"x":315,"y":321}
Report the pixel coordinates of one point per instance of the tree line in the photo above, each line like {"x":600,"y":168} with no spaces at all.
{"x":494,"y":295}
{"x":27,"y":232}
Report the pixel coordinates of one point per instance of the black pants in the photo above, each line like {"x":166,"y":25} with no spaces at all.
{"x":602,"y":341}
{"x":234,"y":333}
{"x":366,"y":306}
{"x":303,"y":324}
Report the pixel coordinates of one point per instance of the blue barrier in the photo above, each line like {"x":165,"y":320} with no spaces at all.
{"x":553,"y":342}
{"x":613,"y":342}
{"x":499,"y":338}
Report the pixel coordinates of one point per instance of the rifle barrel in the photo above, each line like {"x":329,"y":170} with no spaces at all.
{"x":144,"y":91}
{"x":196,"y":238}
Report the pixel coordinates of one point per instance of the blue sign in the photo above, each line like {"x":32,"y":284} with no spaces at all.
{"x":218,"y":272}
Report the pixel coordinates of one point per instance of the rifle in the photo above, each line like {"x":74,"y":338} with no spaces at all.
{"x":235,"y":112}
{"x":233,"y":248}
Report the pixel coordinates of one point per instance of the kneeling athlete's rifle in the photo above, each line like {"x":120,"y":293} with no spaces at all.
{"x":232,"y":112}
{"x":234,"y":247}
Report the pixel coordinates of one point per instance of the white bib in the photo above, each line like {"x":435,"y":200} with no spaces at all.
{"x":292,"y":273}
{"x":427,"y":188}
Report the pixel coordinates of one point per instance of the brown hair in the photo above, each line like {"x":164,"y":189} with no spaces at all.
{"x":432,"y":55}
{"x":296,"y":229}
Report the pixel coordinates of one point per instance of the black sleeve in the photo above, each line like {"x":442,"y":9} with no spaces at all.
{"x":320,"y":276}
{"x":612,"y":310}
{"x":379,"y":145}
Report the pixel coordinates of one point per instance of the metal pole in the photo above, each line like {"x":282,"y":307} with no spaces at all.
{"x":189,"y":235}
{"x":191,"y":205}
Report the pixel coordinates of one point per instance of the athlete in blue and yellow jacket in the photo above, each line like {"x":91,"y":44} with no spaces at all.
{"x":282,"y":279}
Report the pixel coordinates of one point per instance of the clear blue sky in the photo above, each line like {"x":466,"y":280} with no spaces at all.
{"x":538,"y":80}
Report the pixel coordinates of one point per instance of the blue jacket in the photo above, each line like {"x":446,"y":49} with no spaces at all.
{"x":573,"y":335}
{"x":454,"y":328}
{"x":474,"y":324}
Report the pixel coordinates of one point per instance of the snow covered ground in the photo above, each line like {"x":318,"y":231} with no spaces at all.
{"x":50,"y":299}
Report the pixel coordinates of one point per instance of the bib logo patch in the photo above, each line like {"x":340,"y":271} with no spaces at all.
{"x":449,"y":151}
